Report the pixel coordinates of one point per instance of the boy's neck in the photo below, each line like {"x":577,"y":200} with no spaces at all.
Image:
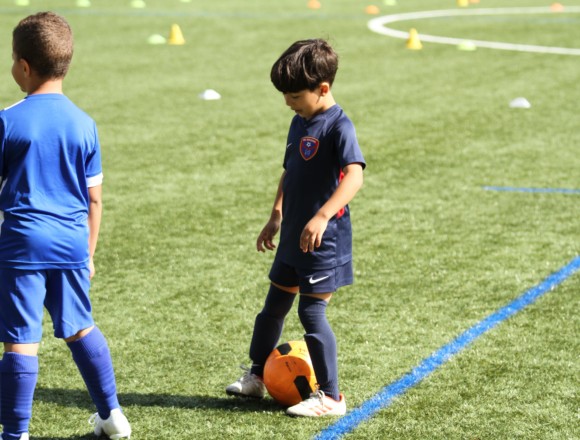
{"x":327,"y":102}
{"x":45,"y":87}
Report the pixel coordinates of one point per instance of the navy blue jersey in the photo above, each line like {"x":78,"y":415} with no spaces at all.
{"x":317,"y":151}
{"x":49,"y":157}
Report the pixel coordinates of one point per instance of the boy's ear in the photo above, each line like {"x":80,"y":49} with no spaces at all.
{"x":324,"y":88}
{"x":25,"y":67}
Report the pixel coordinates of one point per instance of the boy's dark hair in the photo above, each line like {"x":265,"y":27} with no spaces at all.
{"x":45,"y":41}
{"x":304,"y":65}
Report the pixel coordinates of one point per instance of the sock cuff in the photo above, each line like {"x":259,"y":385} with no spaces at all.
{"x":311,"y":304}
{"x":276,"y":289}
{"x":19,"y":363}
{"x":313,"y":300}
{"x":92,"y":344}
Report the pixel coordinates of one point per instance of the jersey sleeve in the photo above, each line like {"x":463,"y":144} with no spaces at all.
{"x":93,"y":166}
{"x":347,"y":144}
{"x":1,"y":148}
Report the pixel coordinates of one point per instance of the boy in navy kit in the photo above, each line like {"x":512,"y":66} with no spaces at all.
{"x":50,"y":213}
{"x":323,"y":170}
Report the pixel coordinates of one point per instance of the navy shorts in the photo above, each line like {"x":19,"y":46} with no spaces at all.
{"x":25,"y":293}
{"x":311,"y":281}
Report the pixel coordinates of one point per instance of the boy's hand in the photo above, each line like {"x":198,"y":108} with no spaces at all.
{"x":91,"y":269}
{"x":311,"y":236}
{"x":266,"y":237}
{"x":312,"y":233}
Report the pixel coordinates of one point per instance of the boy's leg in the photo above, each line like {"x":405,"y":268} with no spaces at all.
{"x":321,"y":342}
{"x":22,"y":295}
{"x":18,"y":377}
{"x":93,"y":359}
{"x":267,"y":330}
{"x":268,"y":327}
{"x":91,"y":353}
{"x":67,"y":300}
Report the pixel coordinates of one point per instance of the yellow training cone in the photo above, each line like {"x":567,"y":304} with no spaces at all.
{"x":175,"y":36}
{"x":463,"y":3}
{"x":413,"y":42}
{"x":467,"y":46}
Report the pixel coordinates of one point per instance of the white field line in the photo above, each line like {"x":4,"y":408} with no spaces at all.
{"x":378,"y":25}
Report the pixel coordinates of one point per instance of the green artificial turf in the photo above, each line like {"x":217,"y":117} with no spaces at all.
{"x":189,"y":184}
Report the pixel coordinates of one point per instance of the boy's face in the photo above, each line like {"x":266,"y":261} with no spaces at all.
{"x":308,"y":103}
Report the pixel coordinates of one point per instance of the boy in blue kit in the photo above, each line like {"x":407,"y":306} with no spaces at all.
{"x":323,"y":170}
{"x":50,"y":213}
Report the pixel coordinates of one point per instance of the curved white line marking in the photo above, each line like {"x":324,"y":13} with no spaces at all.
{"x":378,"y":25}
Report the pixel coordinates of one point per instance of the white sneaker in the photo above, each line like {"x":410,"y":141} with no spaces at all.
{"x":317,"y":405}
{"x":115,"y":427}
{"x":249,"y":385}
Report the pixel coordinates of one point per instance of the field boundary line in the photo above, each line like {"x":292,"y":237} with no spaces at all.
{"x":385,"y":397}
{"x":378,"y":25}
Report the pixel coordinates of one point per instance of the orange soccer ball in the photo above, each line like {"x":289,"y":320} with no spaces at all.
{"x":288,"y":373}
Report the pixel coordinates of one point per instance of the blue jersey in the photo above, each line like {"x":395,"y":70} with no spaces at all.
{"x":317,"y":151}
{"x":49,"y":157}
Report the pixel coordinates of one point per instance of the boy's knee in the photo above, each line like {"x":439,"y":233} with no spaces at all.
{"x":311,"y":311}
{"x":278,"y":303}
{"x":80,"y":334}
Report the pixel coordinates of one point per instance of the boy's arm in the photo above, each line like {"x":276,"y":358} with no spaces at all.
{"x":352,"y":181}
{"x":95,"y":213}
{"x":273,"y":226}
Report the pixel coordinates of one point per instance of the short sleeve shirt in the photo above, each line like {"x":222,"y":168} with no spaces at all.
{"x":317,"y":151}
{"x":49,"y":157}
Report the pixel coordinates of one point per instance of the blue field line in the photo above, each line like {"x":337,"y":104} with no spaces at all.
{"x":385,"y":397}
{"x":532,"y":190}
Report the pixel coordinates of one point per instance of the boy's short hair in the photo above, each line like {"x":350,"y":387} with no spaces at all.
{"x":304,"y":65}
{"x":45,"y":41}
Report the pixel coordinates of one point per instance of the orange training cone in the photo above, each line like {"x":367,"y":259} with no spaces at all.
{"x":175,"y":36}
{"x":314,"y":4}
{"x":557,"y":7}
{"x":413,"y":42}
{"x":372,"y":10}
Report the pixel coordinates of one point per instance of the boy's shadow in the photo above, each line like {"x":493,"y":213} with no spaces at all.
{"x":81,"y":399}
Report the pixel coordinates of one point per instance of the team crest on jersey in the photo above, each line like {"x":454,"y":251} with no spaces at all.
{"x":308,"y":147}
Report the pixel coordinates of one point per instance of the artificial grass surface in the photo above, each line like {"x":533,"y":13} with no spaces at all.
{"x":189,"y":184}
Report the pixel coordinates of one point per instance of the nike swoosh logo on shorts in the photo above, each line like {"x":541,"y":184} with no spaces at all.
{"x":317,"y":280}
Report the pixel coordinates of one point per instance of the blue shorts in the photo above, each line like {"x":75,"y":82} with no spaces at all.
{"x":311,"y":281}
{"x":25,"y":293}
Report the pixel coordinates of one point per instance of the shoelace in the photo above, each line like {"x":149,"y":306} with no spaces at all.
{"x":247,"y":375}
{"x":317,"y":395}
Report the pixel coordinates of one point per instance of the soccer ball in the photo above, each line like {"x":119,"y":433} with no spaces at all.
{"x":288,"y":373}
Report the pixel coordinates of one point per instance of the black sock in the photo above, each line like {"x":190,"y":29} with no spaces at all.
{"x":268,"y":327}
{"x":321,"y":343}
